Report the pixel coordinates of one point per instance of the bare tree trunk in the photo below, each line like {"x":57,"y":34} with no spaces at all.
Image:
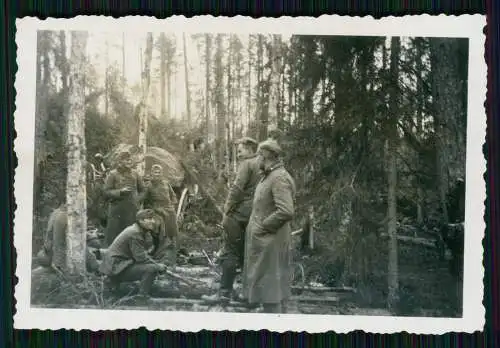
{"x":446,"y":94}
{"x":208,"y":44}
{"x":162,"y":75}
{"x":219,"y":103}
{"x":143,"y":121}
{"x":420,"y":119}
{"x":123,"y":63}
{"x":393,"y":272}
{"x":249,"y":89}
{"x":186,"y":79}
{"x":41,"y":107}
{"x":169,"y":89}
{"x":263,"y":101}
{"x":275,"y":80}
{"x":106,"y":81}
{"x":76,"y":195}
{"x":229,"y":119}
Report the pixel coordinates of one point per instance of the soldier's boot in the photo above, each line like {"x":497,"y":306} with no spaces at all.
{"x":238,"y":297}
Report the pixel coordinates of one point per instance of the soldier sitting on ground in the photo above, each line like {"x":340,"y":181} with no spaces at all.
{"x":53,"y":252}
{"x":127,"y":259}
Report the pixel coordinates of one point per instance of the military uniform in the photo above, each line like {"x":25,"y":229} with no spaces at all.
{"x":122,"y":206}
{"x":160,"y":197}
{"x":237,"y":210}
{"x":127,"y":259}
{"x":53,"y":253}
{"x":268,"y":247}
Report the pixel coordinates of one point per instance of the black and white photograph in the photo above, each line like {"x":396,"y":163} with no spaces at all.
{"x":305,"y":174}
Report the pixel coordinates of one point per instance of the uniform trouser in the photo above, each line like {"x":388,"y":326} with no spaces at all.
{"x":145,"y":272}
{"x":166,"y":251}
{"x":233,"y":252}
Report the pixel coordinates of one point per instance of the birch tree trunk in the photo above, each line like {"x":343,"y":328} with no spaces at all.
{"x":393,"y":272}
{"x":76,"y":183}
{"x":143,"y":121}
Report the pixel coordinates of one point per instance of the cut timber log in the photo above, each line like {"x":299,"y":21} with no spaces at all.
{"x":325,"y":289}
{"x":430,"y":243}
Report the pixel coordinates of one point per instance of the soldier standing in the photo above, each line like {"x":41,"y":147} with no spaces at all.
{"x":237,"y":210}
{"x":269,"y":233}
{"x":160,"y":197}
{"x":122,"y":188}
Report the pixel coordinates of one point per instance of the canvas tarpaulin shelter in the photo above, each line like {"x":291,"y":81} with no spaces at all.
{"x":172,"y":167}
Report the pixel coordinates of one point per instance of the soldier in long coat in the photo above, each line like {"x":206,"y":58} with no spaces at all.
{"x":237,"y":210}
{"x":123,"y":188}
{"x":160,"y":197}
{"x":128,"y":259}
{"x":269,"y":233}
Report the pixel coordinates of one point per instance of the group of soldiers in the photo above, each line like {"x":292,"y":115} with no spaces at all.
{"x":141,"y":231}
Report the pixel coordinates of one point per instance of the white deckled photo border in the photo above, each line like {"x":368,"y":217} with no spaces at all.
{"x":467,"y":26}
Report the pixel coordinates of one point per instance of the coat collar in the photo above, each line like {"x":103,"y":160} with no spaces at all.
{"x":271,"y":168}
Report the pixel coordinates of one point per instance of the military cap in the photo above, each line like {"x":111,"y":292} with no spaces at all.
{"x":247,"y":140}
{"x":270,"y":145}
{"x":124,"y":155}
{"x":145,"y":214}
{"x":156,"y":166}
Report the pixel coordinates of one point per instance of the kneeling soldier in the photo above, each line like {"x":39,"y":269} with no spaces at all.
{"x":127,"y":258}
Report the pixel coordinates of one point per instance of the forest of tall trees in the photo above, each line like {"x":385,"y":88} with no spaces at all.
{"x":373,"y":130}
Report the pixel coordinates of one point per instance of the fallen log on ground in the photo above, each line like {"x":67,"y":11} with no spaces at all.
{"x":325,"y":289}
{"x":430,"y":243}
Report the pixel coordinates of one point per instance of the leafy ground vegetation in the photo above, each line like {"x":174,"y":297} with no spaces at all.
{"x":373,"y":131}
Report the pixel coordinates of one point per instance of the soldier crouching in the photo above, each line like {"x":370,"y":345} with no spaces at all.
{"x":127,"y":259}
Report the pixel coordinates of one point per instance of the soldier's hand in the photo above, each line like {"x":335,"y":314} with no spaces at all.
{"x":125,"y":190}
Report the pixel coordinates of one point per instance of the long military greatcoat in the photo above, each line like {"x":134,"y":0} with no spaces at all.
{"x":122,"y":207}
{"x":268,"y":249}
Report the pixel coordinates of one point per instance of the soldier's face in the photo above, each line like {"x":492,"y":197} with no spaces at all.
{"x":156,"y":173}
{"x":127,"y":163}
{"x":242,"y":151}
{"x":148,"y":223}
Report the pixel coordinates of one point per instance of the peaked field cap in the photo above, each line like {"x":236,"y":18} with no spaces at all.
{"x":124,"y":154}
{"x":247,"y":140}
{"x":270,"y":145}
